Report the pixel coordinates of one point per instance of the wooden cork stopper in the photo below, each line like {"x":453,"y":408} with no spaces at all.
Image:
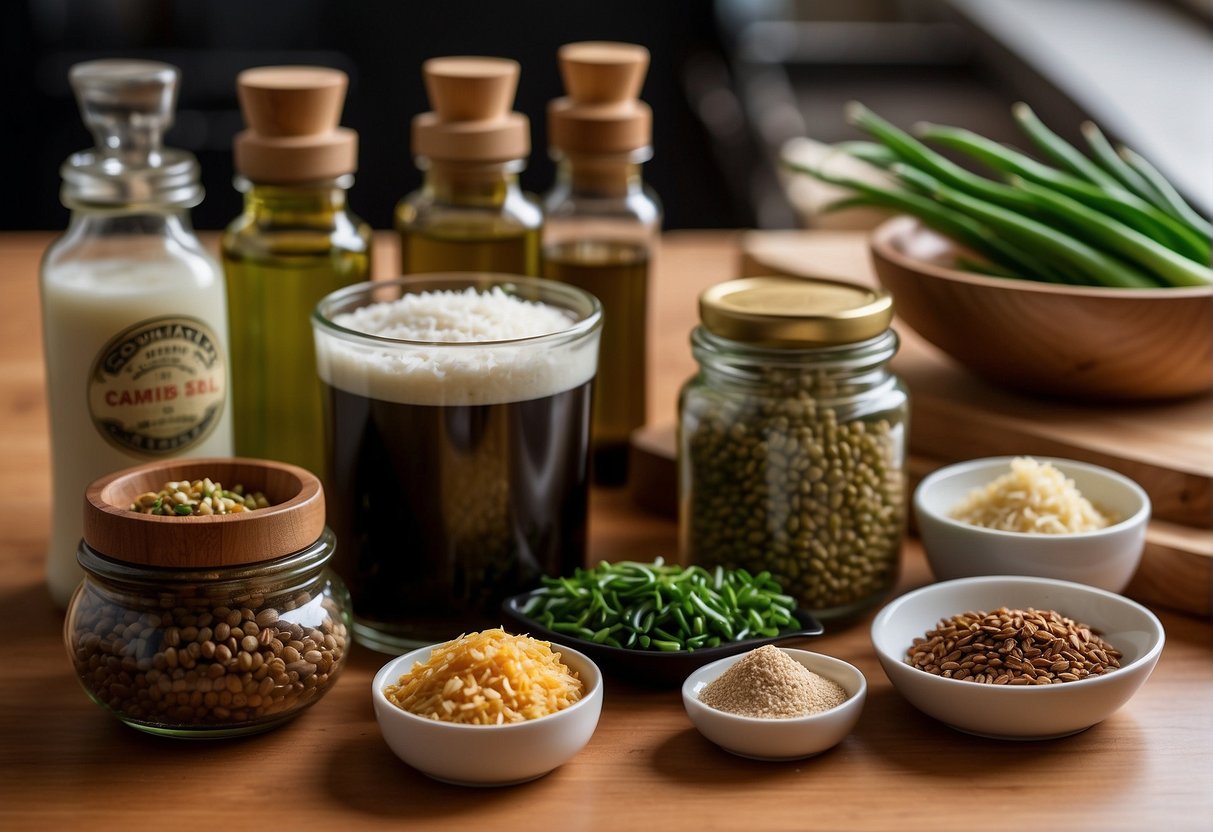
{"x":471,"y":119}
{"x":600,"y":72}
{"x":293,"y":115}
{"x":602,"y":112}
{"x":293,"y":521}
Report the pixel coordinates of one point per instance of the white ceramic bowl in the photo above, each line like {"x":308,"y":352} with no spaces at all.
{"x":1030,"y":712}
{"x":1106,"y":558}
{"x":778,"y":739}
{"x":488,"y":755}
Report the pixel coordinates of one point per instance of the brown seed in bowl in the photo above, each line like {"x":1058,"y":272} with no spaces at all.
{"x":1015,"y":647}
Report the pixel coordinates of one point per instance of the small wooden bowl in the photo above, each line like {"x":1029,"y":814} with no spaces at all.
{"x":1072,"y":342}
{"x":293,"y":521}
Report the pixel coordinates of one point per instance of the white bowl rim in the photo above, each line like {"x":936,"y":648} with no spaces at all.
{"x":1149,"y":656}
{"x":709,"y":670}
{"x":882,"y":243}
{"x":967,"y":466}
{"x":391,"y":669}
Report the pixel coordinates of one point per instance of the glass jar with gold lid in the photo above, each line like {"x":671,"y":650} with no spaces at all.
{"x":792,"y":440}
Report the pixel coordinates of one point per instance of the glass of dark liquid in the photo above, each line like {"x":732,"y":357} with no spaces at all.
{"x":457,"y":412}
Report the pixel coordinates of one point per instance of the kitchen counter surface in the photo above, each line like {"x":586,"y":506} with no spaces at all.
{"x":65,"y":763}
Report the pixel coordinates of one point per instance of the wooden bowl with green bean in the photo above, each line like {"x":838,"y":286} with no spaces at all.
{"x":1076,"y":342}
{"x":1071,"y":271}
{"x":653,"y":623}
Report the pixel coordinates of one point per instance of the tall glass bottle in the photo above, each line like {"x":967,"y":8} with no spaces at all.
{"x":295,"y":242}
{"x":601,"y":225}
{"x":133,"y":309}
{"x":470,"y":214}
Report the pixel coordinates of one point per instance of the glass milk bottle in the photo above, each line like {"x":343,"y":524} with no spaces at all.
{"x":296,"y":241}
{"x":133,"y":308}
{"x":601,"y":225}
{"x":470,"y":214}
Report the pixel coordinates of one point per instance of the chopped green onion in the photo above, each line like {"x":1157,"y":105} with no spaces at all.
{"x":659,"y":607}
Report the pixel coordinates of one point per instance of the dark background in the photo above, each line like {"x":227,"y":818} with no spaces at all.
{"x":723,"y":102}
{"x":379,"y":43}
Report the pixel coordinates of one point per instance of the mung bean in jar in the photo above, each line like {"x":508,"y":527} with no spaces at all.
{"x":792,"y":436}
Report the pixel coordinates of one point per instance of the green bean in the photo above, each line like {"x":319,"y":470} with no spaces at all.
{"x":1111,"y":220}
{"x":873,"y":153}
{"x":1128,"y":207}
{"x":924,"y":158}
{"x":1106,"y":157}
{"x":1174,"y":204}
{"x":1106,"y":232}
{"x":1099,"y":268}
{"x":1058,"y":149}
{"x":943,"y":219}
{"x":659,"y":607}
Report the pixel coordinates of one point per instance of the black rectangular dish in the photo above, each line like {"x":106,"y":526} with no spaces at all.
{"x":649,"y":667}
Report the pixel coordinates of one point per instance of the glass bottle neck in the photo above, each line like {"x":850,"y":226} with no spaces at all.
{"x":314,"y":203}
{"x":166,"y":222}
{"x":484,"y":184}
{"x":612,"y":175}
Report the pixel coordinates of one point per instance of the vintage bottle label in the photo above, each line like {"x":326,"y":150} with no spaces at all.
{"x":159,"y":387}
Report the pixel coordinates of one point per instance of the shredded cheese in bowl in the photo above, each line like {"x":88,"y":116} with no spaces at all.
{"x":1034,"y":498}
{"x":488,"y":678}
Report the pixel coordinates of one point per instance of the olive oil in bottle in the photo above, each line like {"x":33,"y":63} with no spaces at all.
{"x":601,"y":222}
{"x":470,"y":213}
{"x":295,"y":242}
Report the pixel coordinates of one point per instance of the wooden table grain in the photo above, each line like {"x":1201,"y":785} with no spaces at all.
{"x":65,"y":763}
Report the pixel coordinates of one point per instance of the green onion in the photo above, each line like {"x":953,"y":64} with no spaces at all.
{"x":659,"y":607}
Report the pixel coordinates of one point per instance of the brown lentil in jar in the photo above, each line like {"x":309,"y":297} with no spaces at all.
{"x":209,"y":652}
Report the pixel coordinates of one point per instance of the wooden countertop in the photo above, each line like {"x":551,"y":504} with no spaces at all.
{"x":64,"y":762}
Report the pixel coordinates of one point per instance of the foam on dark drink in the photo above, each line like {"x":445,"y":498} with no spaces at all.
{"x":457,"y":450}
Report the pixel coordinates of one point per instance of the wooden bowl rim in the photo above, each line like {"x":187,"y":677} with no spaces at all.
{"x":884,"y":243}
{"x":282,"y":528}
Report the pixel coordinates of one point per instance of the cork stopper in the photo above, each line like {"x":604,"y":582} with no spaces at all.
{"x":293,"y":115}
{"x":471,"y":120}
{"x":602,"y":112}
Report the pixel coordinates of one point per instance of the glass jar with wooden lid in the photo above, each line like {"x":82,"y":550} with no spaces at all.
{"x":207,"y":625}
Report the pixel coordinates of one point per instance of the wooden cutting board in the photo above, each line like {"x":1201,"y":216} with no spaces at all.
{"x":1167,"y":448}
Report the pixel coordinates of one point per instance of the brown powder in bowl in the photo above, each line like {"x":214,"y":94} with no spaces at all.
{"x":770,"y":684}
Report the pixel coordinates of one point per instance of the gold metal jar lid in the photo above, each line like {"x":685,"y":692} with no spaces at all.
{"x":795,"y":312}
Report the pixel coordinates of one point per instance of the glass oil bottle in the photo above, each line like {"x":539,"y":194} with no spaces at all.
{"x":470,"y":213}
{"x":601,"y":223}
{"x":133,"y":310}
{"x":296,"y":241}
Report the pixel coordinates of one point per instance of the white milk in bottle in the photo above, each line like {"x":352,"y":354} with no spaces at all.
{"x":134,"y":311}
